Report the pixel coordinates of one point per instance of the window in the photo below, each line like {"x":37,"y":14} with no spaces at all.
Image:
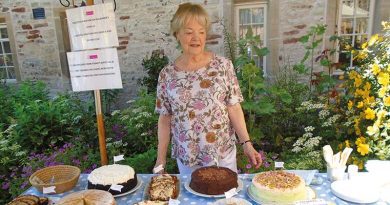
{"x":354,"y":27}
{"x":7,"y":69}
{"x":252,"y":16}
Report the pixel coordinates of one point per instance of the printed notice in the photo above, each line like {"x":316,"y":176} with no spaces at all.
{"x":94,"y":69}
{"x":92,"y":27}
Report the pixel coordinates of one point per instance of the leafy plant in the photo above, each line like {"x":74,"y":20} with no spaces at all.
{"x":153,"y":65}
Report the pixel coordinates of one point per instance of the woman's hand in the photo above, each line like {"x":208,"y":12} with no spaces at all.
{"x":253,"y":156}
{"x":159,"y":167}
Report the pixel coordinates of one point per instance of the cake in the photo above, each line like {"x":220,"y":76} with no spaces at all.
{"x":213,"y":180}
{"x":162,"y":187}
{"x":88,"y":197}
{"x":103,"y":177}
{"x":278,"y":187}
{"x":29,"y":200}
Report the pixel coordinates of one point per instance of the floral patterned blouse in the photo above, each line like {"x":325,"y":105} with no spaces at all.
{"x":197,"y":100}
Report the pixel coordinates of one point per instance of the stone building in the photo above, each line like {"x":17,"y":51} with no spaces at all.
{"x":35,"y":48}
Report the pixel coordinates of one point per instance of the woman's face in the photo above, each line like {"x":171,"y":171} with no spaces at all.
{"x":192,"y":38}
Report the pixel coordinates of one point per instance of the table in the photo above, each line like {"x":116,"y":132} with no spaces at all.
{"x":322,"y":191}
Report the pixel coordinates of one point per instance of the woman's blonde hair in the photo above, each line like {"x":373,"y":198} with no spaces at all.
{"x":186,"y":12}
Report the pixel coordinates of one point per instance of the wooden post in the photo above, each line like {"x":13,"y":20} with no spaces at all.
{"x":100,"y":120}
{"x":90,"y":2}
{"x":101,"y":130}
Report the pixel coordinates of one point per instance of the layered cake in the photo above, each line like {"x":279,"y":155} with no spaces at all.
{"x":162,"y":187}
{"x":103,"y":177}
{"x":278,"y":187}
{"x":147,"y":202}
{"x":88,"y":197}
{"x":213,"y":180}
{"x":29,"y":200}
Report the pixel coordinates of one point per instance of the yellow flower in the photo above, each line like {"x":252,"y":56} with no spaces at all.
{"x":373,"y":39}
{"x":364,"y":45}
{"x":383,"y":79}
{"x":341,"y":77}
{"x":360,"y":140}
{"x":363,"y":149}
{"x":370,"y":114}
{"x":372,"y":130}
{"x":386,"y":101}
{"x":340,"y":146}
{"x":358,"y":82}
{"x":350,"y":105}
{"x":375,"y":69}
{"x":388,"y":68}
{"x":347,"y":143}
{"x":382,"y":92}
{"x":357,"y":131}
{"x":360,"y":104}
{"x":352,"y":75}
{"x":369,"y":100}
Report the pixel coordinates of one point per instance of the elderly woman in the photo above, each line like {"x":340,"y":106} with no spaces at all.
{"x":198,"y":99}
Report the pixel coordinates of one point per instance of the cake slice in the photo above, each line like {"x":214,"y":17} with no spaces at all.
{"x":163,"y":187}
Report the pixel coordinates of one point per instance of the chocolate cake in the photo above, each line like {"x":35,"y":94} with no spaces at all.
{"x":213,"y":180}
{"x":103,"y":177}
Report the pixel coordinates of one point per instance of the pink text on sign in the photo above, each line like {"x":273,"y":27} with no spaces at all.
{"x":93,"y":56}
{"x":89,"y":13}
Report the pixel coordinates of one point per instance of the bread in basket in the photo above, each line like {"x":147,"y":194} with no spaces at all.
{"x":62,"y":177}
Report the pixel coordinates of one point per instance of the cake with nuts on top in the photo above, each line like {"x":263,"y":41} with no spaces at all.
{"x":278,"y":187}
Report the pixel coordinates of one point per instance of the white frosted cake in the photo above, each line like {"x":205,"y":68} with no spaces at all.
{"x":278,"y":187}
{"x":103,"y":177}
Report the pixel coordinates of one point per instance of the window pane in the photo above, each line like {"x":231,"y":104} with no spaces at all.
{"x":243,"y":30}
{"x":362,"y":8}
{"x":3,"y":73}
{"x":258,"y":15}
{"x":345,"y":58}
{"x":2,"y":60}
{"x":359,"y":40}
{"x":11,"y":73}
{"x":347,"y":26}
{"x":4,"y":33}
{"x":347,"y":8}
{"x":7,"y":48}
{"x":8,"y":60}
{"x":1,"y":47}
{"x":258,"y":30}
{"x":245,"y":17}
{"x":361,"y":25}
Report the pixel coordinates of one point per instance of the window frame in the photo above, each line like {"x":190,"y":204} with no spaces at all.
{"x":263,"y":5}
{"x":6,"y":21}
{"x":353,"y":35}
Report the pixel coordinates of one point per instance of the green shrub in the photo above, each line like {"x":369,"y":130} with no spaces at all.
{"x":153,"y":65}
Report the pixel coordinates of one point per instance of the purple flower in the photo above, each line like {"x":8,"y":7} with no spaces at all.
{"x":239,"y":171}
{"x":199,"y":105}
{"x":76,"y":162}
{"x":24,"y":185}
{"x":248,"y":166}
{"x":5,"y":185}
{"x":94,"y":166}
{"x":266,"y":164}
{"x":206,"y":159}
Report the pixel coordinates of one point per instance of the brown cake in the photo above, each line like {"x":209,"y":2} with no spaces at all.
{"x":88,"y":197}
{"x":29,"y":200}
{"x":162,"y":187}
{"x":213,"y":180}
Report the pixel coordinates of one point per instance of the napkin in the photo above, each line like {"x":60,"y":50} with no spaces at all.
{"x":336,"y":160}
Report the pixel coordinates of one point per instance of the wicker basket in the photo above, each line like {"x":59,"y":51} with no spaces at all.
{"x":63,"y":177}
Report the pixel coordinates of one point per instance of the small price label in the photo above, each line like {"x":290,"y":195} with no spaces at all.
{"x":50,"y":189}
{"x":279,"y":165}
{"x":116,"y":187}
{"x":119,"y":158}
{"x":173,"y":202}
{"x":158,"y":169}
{"x":229,"y":194}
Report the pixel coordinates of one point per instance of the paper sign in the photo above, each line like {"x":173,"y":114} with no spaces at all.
{"x":94,"y":69}
{"x":173,"y":202}
{"x":229,"y":194}
{"x":116,"y":187}
{"x":92,"y":27}
{"x":119,"y":158}
{"x":48,"y":190}
{"x":158,"y":168}
{"x":312,"y":202}
{"x":279,"y":165}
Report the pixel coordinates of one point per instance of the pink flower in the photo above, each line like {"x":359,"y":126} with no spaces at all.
{"x":206,"y":159}
{"x":248,"y":166}
{"x":163,"y":86}
{"x":181,"y":151}
{"x":182,"y":137}
{"x":199,"y":105}
{"x":198,"y":127}
{"x":172,"y":85}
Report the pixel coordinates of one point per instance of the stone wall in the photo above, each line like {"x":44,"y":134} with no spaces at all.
{"x":35,"y":41}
